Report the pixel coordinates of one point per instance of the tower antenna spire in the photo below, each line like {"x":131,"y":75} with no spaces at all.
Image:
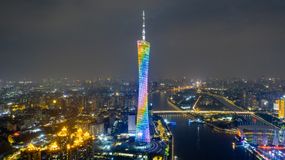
{"x":143,"y":26}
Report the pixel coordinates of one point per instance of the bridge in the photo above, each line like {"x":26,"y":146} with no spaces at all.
{"x":243,"y":113}
{"x":233,"y":109}
{"x":200,"y":112}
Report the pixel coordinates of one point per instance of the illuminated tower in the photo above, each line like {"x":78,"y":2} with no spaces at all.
{"x":142,"y":127}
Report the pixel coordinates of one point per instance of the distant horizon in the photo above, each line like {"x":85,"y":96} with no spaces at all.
{"x":136,"y":79}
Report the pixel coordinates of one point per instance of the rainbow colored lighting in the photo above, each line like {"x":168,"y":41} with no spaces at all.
{"x":142,"y":127}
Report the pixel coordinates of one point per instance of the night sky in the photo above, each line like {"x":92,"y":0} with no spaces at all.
{"x":86,"y":39}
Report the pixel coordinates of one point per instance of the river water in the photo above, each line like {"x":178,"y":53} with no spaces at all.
{"x":198,"y":141}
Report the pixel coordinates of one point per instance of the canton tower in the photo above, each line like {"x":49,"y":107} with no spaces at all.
{"x":142,"y":127}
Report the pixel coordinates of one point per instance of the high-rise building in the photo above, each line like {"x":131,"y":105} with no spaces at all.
{"x":281,"y":107}
{"x":131,"y":123}
{"x":142,"y":126}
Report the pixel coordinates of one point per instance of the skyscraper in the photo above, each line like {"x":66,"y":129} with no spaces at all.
{"x":142,"y":126}
{"x":281,"y":107}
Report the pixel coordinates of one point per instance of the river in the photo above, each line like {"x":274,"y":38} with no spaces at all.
{"x":198,"y":141}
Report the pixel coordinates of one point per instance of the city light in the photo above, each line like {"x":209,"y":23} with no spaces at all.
{"x":31,"y":148}
{"x":63,"y":132}
{"x":69,"y":90}
{"x":53,"y":147}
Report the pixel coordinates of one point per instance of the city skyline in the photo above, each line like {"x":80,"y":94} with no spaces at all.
{"x":191,"y":38}
{"x":78,"y":81}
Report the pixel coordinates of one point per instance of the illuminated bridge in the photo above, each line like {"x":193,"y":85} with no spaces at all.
{"x":261,"y":123}
{"x":200,"y":112}
{"x":251,"y":120}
